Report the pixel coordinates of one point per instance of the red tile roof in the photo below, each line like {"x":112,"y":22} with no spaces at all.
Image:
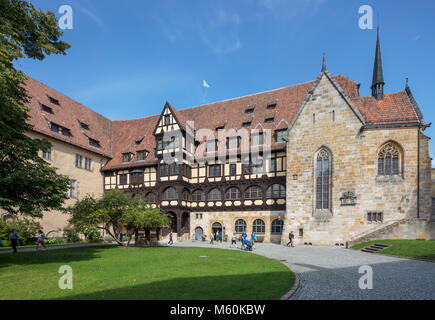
{"x":67,"y":114}
{"x":136,"y":135}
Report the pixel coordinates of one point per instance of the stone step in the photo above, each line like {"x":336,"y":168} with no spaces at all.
{"x":381,"y":245}
{"x":367,"y":250}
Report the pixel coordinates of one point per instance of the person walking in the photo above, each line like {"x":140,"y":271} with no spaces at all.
{"x":171,"y":241}
{"x":218,"y":237}
{"x":14,"y":239}
{"x":291,"y":236}
{"x":233,"y":241}
{"x":253,"y":238}
{"x":211,"y":238}
{"x":244,"y":236}
{"x":41,"y":240}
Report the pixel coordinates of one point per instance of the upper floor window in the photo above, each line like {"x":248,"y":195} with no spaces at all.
{"x":233,"y":169}
{"x":47,"y":154}
{"x":233,"y":143}
{"x":54,"y":101}
{"x":215,"y":194}
{"x":233,"y":194}
{"x":269,"y":120}
{"x":389,"y":160}
{"x":246,"y":124}
{"x":73,"y":189}
{"x":59,"y":129}
{"x":167,"y":120}
{"x":84,"y":126}
{"x":170,"y":194}
{"x":281,"y":135}
{"x":215,"y":170}
{"x":126,"y":157}
{"x":275,"y":191}
{"x":212,"y":146}
{"x":151,"y":197}
{"x":185,"y":195}
{"x":323,"y":179}
{"x":136,"y":177}
{"x":159,"y":144}
{"x":271,"y":106}
{"x":254,"y":192}
{"x":79,"y":161}
{"x":198,"y":195}
{"x":257,"y":139}
{"x":123,"y":179}
{"x":88,"y":163}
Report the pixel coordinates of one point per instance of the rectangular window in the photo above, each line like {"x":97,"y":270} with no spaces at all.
{"x":249,"y":110}
{"x":246,"y":124}
{"x":73,"y":189}
{"x":66,"y":132}
{"x":211,"y":146}
{"x":269,"y":120}
{"x":126,"y":157}
{"x":257,"y":139}
{"x":159,"y":144}
{"x":47,"y":154}
{"x":88,"y":163}
{"x":301,"y":232}
{"x":123,"y":179}
{"x":141,"y":155}
{"x":79,"y":160}
{"x":167,"y":120}
{"x":233,"y":169}
{"x":272,"y":165}
{"x":233,"y":143}
{"x":271,"y":106}
{"x":215,"y":170}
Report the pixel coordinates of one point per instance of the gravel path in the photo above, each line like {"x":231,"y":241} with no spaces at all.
{"x":332,"y":272}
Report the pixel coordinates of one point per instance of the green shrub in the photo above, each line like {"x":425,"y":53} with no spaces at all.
{"x":71,"y":234}
{"x":50,"y":241}
{"x":25,"y":227}
{"x":92,"y":233}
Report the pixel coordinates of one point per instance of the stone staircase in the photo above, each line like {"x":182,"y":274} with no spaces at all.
{"x":375,"y":248}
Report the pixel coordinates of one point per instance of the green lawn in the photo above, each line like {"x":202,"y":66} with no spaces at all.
{"x":144,"y":273}
{"x":418,"y":249}
{"x":48,"y":245}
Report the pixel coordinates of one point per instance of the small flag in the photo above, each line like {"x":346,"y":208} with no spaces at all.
{"x":205,"y":84}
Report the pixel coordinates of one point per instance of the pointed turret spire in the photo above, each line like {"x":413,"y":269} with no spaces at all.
{"x":378,"y":75}
{"x":324,"y":62}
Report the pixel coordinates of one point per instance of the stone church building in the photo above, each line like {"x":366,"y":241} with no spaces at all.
{"x":321,"y":161}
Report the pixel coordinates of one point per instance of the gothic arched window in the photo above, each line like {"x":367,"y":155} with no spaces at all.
{"x":275,"y":191}
{"x":323,"y":179}
{"x":388,"y":160}
{"x":215,"y":194}
{"x":170,"y":194}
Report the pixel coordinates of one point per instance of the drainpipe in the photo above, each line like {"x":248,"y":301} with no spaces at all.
{"x":418,"y":172}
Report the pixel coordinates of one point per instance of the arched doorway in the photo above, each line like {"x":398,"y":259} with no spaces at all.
{"x":185,"y":222}
{"x":198,"y":233}
{"x":216,"y":227}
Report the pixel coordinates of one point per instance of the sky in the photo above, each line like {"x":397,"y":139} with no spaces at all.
{"x":129,"y":57}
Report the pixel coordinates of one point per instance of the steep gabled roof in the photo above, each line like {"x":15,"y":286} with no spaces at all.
{"x":67,"y":114}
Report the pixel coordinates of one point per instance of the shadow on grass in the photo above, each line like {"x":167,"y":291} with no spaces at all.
{"x":64,"y":255}
{"x":259,"y":286}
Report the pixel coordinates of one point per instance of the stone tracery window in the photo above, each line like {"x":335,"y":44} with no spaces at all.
{"x":388,"y":160}
{"x":323,"y":179}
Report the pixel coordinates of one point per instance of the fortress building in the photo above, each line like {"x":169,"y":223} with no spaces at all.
{"x":315,"y":158}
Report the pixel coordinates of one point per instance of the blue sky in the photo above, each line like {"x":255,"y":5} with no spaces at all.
{"x":129,"y":57}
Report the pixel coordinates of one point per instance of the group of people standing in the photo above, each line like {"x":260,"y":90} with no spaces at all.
{"x":217,"y":236}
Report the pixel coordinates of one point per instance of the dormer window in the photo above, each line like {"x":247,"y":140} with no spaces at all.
{"x":46,"y":109}
{"x":59,"y":129}
{"x":141,"y":155}
{"x":54,"y":101}
{"x":249,"y":110}
{"x":281,"y":135}
{"x":269,"y":120}
{"x":94,"y":143}
{"x":126,"y":157}
{"x":246,"y":124}
{"x":66,"y":132}
{"x":271,"y":106}
{"x":84,"y":126}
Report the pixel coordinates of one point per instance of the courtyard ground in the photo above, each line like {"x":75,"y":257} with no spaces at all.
{"x":333,"y":272}
{"x":162,"y":273}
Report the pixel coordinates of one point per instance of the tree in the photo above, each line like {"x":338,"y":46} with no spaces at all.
{"x":141,"y":216}
{"x":28,"y":184}
{"x":116,"y":210}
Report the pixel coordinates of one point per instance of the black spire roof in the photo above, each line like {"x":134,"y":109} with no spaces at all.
{"x":378,"y":75}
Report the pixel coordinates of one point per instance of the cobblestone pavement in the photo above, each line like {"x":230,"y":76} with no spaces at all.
{"x":333,"y":272}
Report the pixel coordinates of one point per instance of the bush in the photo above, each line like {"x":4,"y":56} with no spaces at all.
{"x":92,"y":233}
{"x":71,"y":234}
{"x":26,"y":229}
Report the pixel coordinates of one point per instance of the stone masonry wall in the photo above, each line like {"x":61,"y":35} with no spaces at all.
{"x":328,"y":121}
